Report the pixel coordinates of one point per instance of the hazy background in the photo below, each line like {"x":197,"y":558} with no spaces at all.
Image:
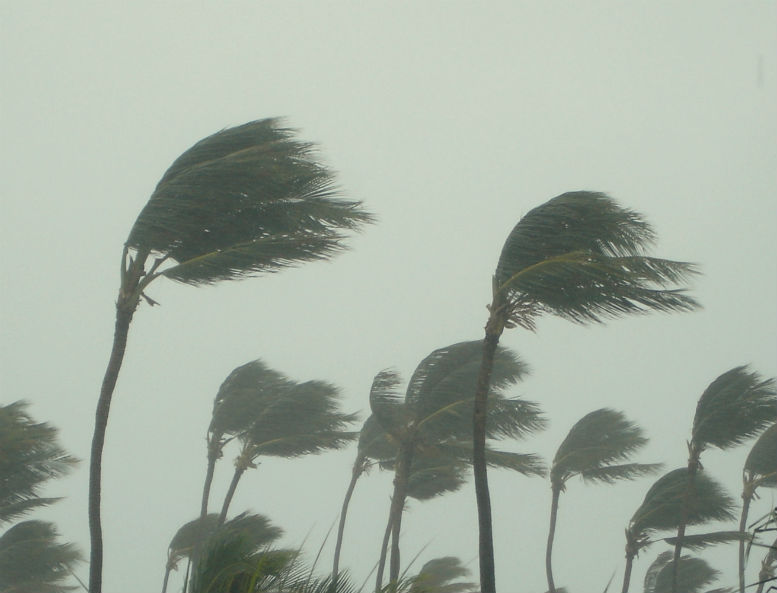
{"x":450,"y":120}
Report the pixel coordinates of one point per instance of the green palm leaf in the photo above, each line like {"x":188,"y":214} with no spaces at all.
{"x":699,"y":541}
{"x":440,"y":575}
{"x":693,"y":574}
{"x":761,"y":462}
{"x":735,"y":407}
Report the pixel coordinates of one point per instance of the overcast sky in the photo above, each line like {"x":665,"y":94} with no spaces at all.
{"x":450,"y":120}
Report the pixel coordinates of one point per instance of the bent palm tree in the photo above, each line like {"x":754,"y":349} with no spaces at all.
{"x":30,"y":456}
{"x":436,"y":414}
{"x":245,"y":201}
{"x":186,"y":541}
{"x":760,"y":470}
{"x":31,"y":559}
{"x":664,"y":507}
{"x":579,"y":256}
{"x":594,"y":449}
{"x":733,"y":408}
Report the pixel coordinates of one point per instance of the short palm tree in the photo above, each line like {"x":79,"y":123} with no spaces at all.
{"x":436,"y":412}
{"x":693,"y":574}
{"x":186,"y":541}
{"x":294,"y":419}
{"x":665,"y":506}
{"x":582,"y":257}
{"x":31,"y":455}
{"x":33,"y":561}
{"x":760,"y":470}
{"x":596,"y":448}
{"x":245,"y":201}
{"x":733,"y":408}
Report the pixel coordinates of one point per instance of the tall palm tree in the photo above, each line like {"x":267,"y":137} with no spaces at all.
{"x":733,"y":408}
{"x":664,"y":507}
{"x":31,"y":455}
{"x":580,"y":256}
{"x":693,"y":574}
{"x":245,"y":201}
{"x":294,"y":419}
{"x":596,"y":449}
{"x":760,"y":470}
{"x":33,"y":561}
{"x":437,"y":411}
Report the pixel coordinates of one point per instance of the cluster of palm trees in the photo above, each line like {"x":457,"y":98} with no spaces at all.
{"x":252,"y":199}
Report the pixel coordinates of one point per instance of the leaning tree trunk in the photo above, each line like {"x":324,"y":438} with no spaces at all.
{"x":126,"y":304}
{"x":358,"y":469}
{"x":401,"y":478}
{"x":747,"y":497}
{"x":230,"y":493}
{"x":494,"y":329}
{"x":551,"y":534}
{"x":383,"y":554}
{"x":767,"y":567}
{"x":213,"y":455}
{"x":627,"y":573}
{"x":693,"y":466}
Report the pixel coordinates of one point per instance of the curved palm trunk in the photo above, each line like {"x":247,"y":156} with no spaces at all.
{"x":404,"y":461}
{"x":167,"y":577}
{"x":693,"y":466}
{"x":494,"y":329}
{"x":358,"y":469}
{"x":383,"y":554}
{"x":551,"y":534}
{"x":230,"y":493}
{"x":212,"y":458}
{"x":127,"y":302}
{"x":627,"y":573}
{"x":747,"y":496}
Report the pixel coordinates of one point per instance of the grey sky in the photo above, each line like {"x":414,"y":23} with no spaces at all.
{"x":449,"y":120}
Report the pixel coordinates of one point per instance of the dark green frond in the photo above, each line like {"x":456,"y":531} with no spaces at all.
{"x":386,"y":402}
{"x":693,"y":574}
{"x":600,"y":440}
{"x":625,"y":471}
{"x":513,"y":418}
{"x":440,"y":575}
{"x":432,"y":476}
{"x":187,"y":536}
{"x":374,"y":442}
{"x":31,"y":559}
{"x":246,"y":200}
{"x":699,"y":541}
{"x":663,"y":506}
{"x":582,"y":256}
{"x":761,"y":462}
{"x":527,"y":464}
{"x":734,"y":408}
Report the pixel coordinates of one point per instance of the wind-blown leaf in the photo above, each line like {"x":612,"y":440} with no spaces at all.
{"x":386,"y":402}
{"x":243,"y":201}
{"x":439,"y":576}
{"x":699,"y":541}
{"x":735,"y":407}
{"x":692,"y":574}
{"x":761,"y":462}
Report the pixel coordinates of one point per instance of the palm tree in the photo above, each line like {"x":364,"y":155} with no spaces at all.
{"x":734,"y":408}
{"x":693,"y":574}
{"x":595,"y":449}
{"x":30,"y":456}
{"x":294,"y":419}
{"x":760,"y":470}
{"x":664,"y":507}
{"x":436,"y":413}
{"x":32,"y":561}
{"x":579,"y":256}
{"x":186,"y":541}
{"x":245,"y":201}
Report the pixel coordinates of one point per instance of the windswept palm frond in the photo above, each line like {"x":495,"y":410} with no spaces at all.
{"x":386,"y":403}
{"x":528,"y":464}
{"x":440,"y":575}
{"x":693,"y":574}
{"x":734,"y":408}
{"x":761,"y":463}
{"x":699,"y":541}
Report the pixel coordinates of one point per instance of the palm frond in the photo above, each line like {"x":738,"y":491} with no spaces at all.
{"x":699,"y":541}
{"x":374,"y":441}
{"x":188,"y":536}
{"x":246,"y":200}
{"x":440,"y":575}
{"x":386,"y":402}
{"x":625,"y":471}
{"x":761,"y":462}
{"x":663,"y":506}
{"x":734,"y":408}
{"x":582,"y":256}
{"x":600,"y":440}
{"x":433,"y":476}
{"x":693,"y":574}
{"x":528,"y":464}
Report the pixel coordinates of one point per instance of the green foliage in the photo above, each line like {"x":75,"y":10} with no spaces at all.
{"x":761,"y":462}
{"x":32,"y":561}
{"x":735,"y":407}
{"x":245,"y":200}
{"x":581,"y":256}
{"x":595,"y":447}
{"x":440,"y":575}
{"x":692,"y":574}
{"x":30,"y":456}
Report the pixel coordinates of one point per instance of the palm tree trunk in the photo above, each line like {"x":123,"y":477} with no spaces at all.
{"x":167,"y":577}
{"x":693,"y":466}
{"x":747,"y":496}
{"x":358,"y":469}
{"x":494,"y":329}
{"x":627,"y":573}
{"x":230,"y":493}
{"x":383,"y":554}
{"x":551,"y":534}
{"x":401,"y":477}
{"x":766,"y":572}
{"x":212,"y":458}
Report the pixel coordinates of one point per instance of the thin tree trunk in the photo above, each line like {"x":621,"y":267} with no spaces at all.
{"x":627,"y":573}
{"x":356,"y":472}
{"x":167,"y":577}
{"x":230,"y":493}
{"x":693,"y":465}
{"x":747,"y":496}
{"x":212,"y":458}
{"x":494,"y":329}
{"x":404,"y":461}
{"x":383,"y":554}
{"x":551,"y":534}
{"x":766,"y":572}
